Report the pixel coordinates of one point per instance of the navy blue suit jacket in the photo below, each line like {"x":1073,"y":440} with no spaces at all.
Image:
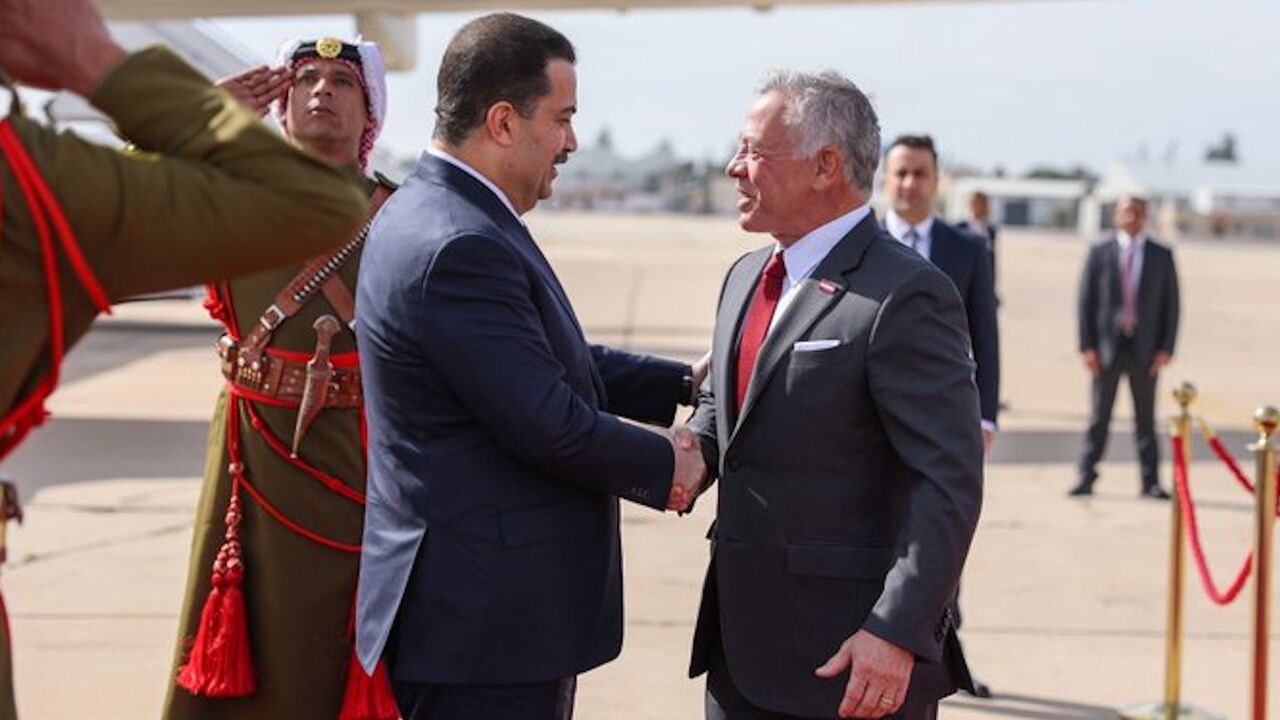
{"x":967,"y":262}
{"x":496,"y":457}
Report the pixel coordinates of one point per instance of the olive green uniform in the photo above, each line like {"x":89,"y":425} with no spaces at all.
{"x":215,"y":193}
{"x":298,"y":593}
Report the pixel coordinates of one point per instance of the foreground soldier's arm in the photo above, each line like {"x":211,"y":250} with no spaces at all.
{"x":217,"y":192}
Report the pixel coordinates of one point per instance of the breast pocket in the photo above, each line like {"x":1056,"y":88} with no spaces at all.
{"x":820,"y":362}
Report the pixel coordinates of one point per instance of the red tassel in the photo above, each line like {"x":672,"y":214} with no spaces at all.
{"x":220,"y":664}
{"x":368,"y":698}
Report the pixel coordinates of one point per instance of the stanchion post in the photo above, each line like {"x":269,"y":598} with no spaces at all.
{"x":1267,"y":420}
{"x":1171,"y":708}
{"x":1185,"y":394}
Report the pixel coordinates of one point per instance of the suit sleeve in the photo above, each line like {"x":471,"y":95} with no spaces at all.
{"x":1170,"y":309}
{"x":639,"y":387}
{"x":488,"y":344}
{"x":920,"y":378}
{"x":215,"y":193}
{"x":984,"y":329}
{"x":1087,"y":303}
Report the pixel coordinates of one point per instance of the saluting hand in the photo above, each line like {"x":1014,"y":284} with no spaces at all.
{"x":256,"y":88}
{"x":56,"y":44}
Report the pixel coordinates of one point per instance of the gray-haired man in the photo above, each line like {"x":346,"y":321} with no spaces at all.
{"x":841,"y":420}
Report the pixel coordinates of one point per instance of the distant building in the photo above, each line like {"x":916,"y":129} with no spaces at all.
{"x":1020,"y":202}
{"x":1210,"y":200}
{"x":598,"y":178}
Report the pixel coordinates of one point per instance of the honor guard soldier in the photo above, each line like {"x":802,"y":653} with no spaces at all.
{"x":266,"y":625}
{"x":210,"y":194}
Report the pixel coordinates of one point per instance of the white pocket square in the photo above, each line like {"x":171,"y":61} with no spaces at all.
{"x":812,"y":345}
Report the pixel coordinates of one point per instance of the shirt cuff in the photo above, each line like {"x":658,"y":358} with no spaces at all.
{"x":989,"y":426}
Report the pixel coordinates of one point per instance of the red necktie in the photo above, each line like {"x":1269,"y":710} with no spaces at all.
{"x":758,"y":318}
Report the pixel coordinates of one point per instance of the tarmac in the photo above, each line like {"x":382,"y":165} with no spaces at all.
{"x":1064,"y":599}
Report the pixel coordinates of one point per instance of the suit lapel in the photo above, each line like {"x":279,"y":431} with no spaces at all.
{"x":811,"y":300}
{"x":939,"y":246}
{"x":739,"y":290}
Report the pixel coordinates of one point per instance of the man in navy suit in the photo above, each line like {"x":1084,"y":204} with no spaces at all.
{"x":910,"y":186}
{"x":491,"y":568}
{"x":979,"y":225}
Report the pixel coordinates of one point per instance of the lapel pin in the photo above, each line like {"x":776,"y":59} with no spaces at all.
{"x":829,"y":287}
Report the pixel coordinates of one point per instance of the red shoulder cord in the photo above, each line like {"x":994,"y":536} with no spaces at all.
{"x":222,"y":307}
{"x":45,"y":211}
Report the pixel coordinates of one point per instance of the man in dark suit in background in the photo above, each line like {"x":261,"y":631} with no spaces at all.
{"x":979,"y":225}
{"x":1128,"y":310}
{"x":841,"y":420}
{"x":491,"y":566}
{"x":910,"y":186}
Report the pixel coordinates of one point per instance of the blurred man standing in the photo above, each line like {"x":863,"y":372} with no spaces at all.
{"x":979,"y":225}
{"x":1128,"y":315}
{"x":910,"y":187}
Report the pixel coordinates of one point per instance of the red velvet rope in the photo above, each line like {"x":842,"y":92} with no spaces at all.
{"x":1193,"y":533}
{"x":1220,"y":449}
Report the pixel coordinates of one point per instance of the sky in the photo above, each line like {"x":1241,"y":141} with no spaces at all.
{"x":1007,"y":84}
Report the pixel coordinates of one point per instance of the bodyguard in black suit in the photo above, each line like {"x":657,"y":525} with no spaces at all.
{"x":979,"y":225}
{"x":910,"y":186}
{"x":841,"y":420}
{"x":491,"y":566}
{"x":1128,"y":314}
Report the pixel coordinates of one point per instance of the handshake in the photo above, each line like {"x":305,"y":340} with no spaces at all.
{"x":690,"y":476}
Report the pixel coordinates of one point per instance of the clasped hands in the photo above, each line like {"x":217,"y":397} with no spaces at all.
{"x":690,"y":475}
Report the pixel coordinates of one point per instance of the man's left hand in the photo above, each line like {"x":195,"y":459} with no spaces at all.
{"x":988,"y":437}
{"x":879,"y":673}
{"x":1162,"y":358}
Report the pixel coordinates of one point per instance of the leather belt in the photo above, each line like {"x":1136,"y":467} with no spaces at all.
{"x":285,"y":379}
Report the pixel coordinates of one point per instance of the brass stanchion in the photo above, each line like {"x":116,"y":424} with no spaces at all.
{"x":1267,"y":420}
{"x":1172,"y":708}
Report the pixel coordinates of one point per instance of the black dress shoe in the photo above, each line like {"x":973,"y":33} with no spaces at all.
{"x":980,"y":690}
{"x":1155,"y":492}
{"x":1083,"y":489}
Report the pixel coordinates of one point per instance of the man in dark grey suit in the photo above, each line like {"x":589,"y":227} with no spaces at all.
{"x":1128,"y":312}
{"x":491,"y":565}
{"x":979,"y":225}
{"x":841,"y":421}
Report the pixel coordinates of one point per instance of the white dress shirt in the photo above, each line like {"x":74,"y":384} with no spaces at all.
{"x":808,"y":252}
{"x":899,"y":229}
{"x":437,"y":152}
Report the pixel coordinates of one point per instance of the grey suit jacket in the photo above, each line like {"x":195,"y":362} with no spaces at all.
{"x":1100,"y":300}
{"x":850,"y":485}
